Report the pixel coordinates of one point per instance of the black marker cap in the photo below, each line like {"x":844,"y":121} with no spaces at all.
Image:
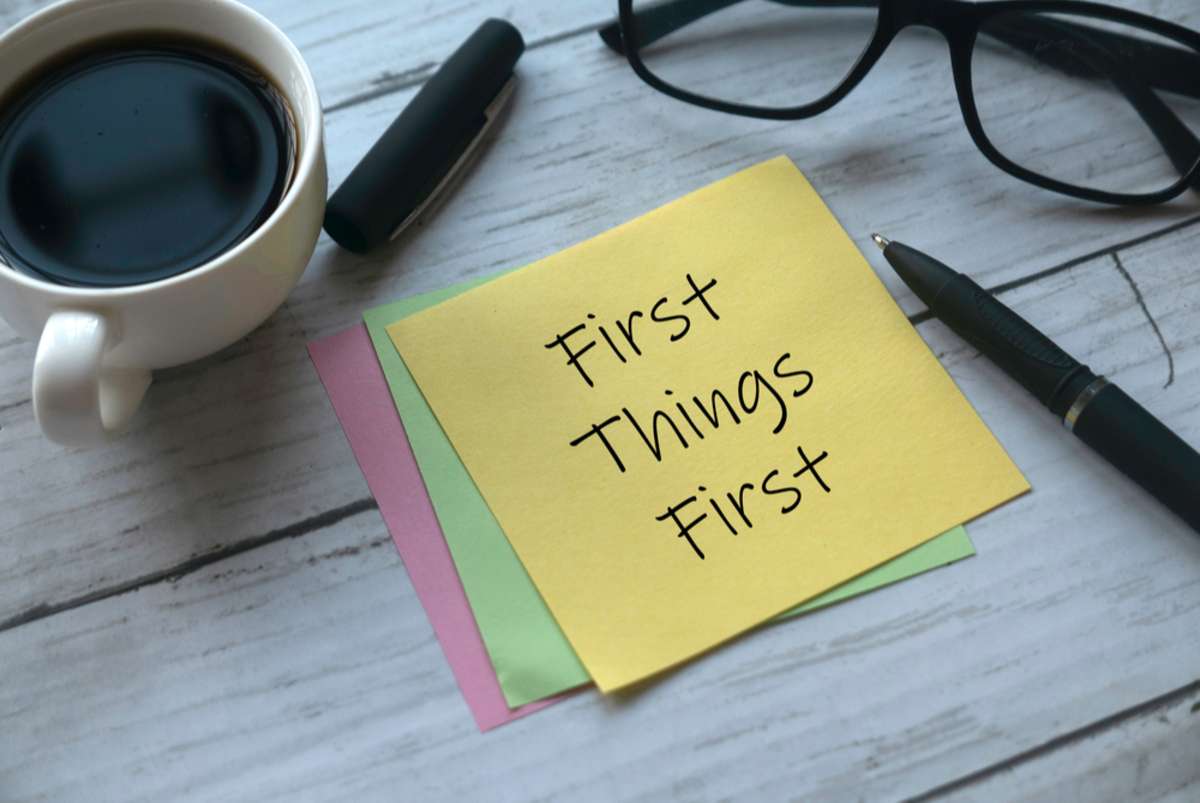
{"x":428,"y":143}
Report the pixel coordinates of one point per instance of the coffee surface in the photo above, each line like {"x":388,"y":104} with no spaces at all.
{"x":133,"y":162}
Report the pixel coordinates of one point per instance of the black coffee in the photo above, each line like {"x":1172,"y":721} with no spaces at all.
{"x":131,"y":161}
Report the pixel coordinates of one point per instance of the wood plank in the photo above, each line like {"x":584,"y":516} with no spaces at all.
{"x":1148,"y":757}
{"x":205,"y":468}
{"x":1173,"y":301}
{"x":224,"y":464}
{"x":243,"y":443}
{"x":17,"y":10}
{"x":574,"y":158}
{"x":363,"y":48}
{"x":306,"y":667}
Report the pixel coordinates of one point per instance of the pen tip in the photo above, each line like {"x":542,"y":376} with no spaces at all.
{"x":881,"y":241}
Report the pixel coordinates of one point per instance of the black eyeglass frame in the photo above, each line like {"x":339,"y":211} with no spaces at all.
{"x":959,"y":22}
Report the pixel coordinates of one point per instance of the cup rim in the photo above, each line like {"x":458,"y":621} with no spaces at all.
{"x":311,"y":148}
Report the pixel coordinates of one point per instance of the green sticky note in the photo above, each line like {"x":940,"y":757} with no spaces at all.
{"x":529,"y":652}
{"x":948,"y":547}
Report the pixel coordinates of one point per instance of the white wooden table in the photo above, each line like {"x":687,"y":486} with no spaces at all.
{"x":211,"y":609}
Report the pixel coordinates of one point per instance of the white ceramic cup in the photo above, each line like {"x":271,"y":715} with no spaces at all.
{"x":98,"y":346}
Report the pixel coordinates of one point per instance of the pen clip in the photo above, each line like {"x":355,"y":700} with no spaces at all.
{"x":490,"y":114}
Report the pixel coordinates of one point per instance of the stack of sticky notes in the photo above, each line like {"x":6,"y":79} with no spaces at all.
{"x":606,"y":463}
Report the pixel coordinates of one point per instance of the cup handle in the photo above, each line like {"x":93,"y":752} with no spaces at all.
{"x":77,"y":401}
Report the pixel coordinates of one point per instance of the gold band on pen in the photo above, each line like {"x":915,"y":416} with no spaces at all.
{"x":1082,"y":401}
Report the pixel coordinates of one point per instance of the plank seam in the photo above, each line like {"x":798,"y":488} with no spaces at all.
{"x":49,"y":609}
{"x":1067,"y":739}
{"x":193,"y":564}
{"x":1074,"y":262}
{"x":918,"y":318}
{"x":419,"y":75}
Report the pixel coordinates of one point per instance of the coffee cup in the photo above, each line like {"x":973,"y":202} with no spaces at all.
{"x":98,"y":346}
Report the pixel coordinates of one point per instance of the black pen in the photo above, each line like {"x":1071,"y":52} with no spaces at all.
{"x":1097,"y":411}
{"x":428,"y":146}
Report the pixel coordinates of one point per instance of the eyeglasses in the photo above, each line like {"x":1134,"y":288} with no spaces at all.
{"x":1080,"y":98}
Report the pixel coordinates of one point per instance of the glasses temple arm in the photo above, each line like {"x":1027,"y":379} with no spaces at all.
{"x":1164,"y":66}
{"x":1097,"y":53}
{"x":1172,"y":69}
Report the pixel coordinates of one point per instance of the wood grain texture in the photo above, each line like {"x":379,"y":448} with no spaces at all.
{"x":291,"y":659}
{"x":1147,"y":753}
{"x":305,"y":668}
{"x":363,"y":48}
{"x":586,"y":146}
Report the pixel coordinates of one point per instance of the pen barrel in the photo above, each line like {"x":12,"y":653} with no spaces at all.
{"x":1016,"y":346}
{"x":1125,"y":434}
{"x":420,"y":147}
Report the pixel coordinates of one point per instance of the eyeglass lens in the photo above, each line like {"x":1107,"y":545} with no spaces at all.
{"x":1087,"y":102}
{"x":754,"y":52}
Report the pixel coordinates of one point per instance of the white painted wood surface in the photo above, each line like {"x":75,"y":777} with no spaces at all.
{"x":211,"y":610}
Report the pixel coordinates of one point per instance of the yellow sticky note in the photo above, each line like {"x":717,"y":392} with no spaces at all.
{"x":700,"y":419}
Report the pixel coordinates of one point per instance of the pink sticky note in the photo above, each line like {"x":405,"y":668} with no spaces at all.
{"x":348,"y":367}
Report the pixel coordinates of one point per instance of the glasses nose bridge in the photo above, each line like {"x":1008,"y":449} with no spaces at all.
{"x":940,"y":15}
